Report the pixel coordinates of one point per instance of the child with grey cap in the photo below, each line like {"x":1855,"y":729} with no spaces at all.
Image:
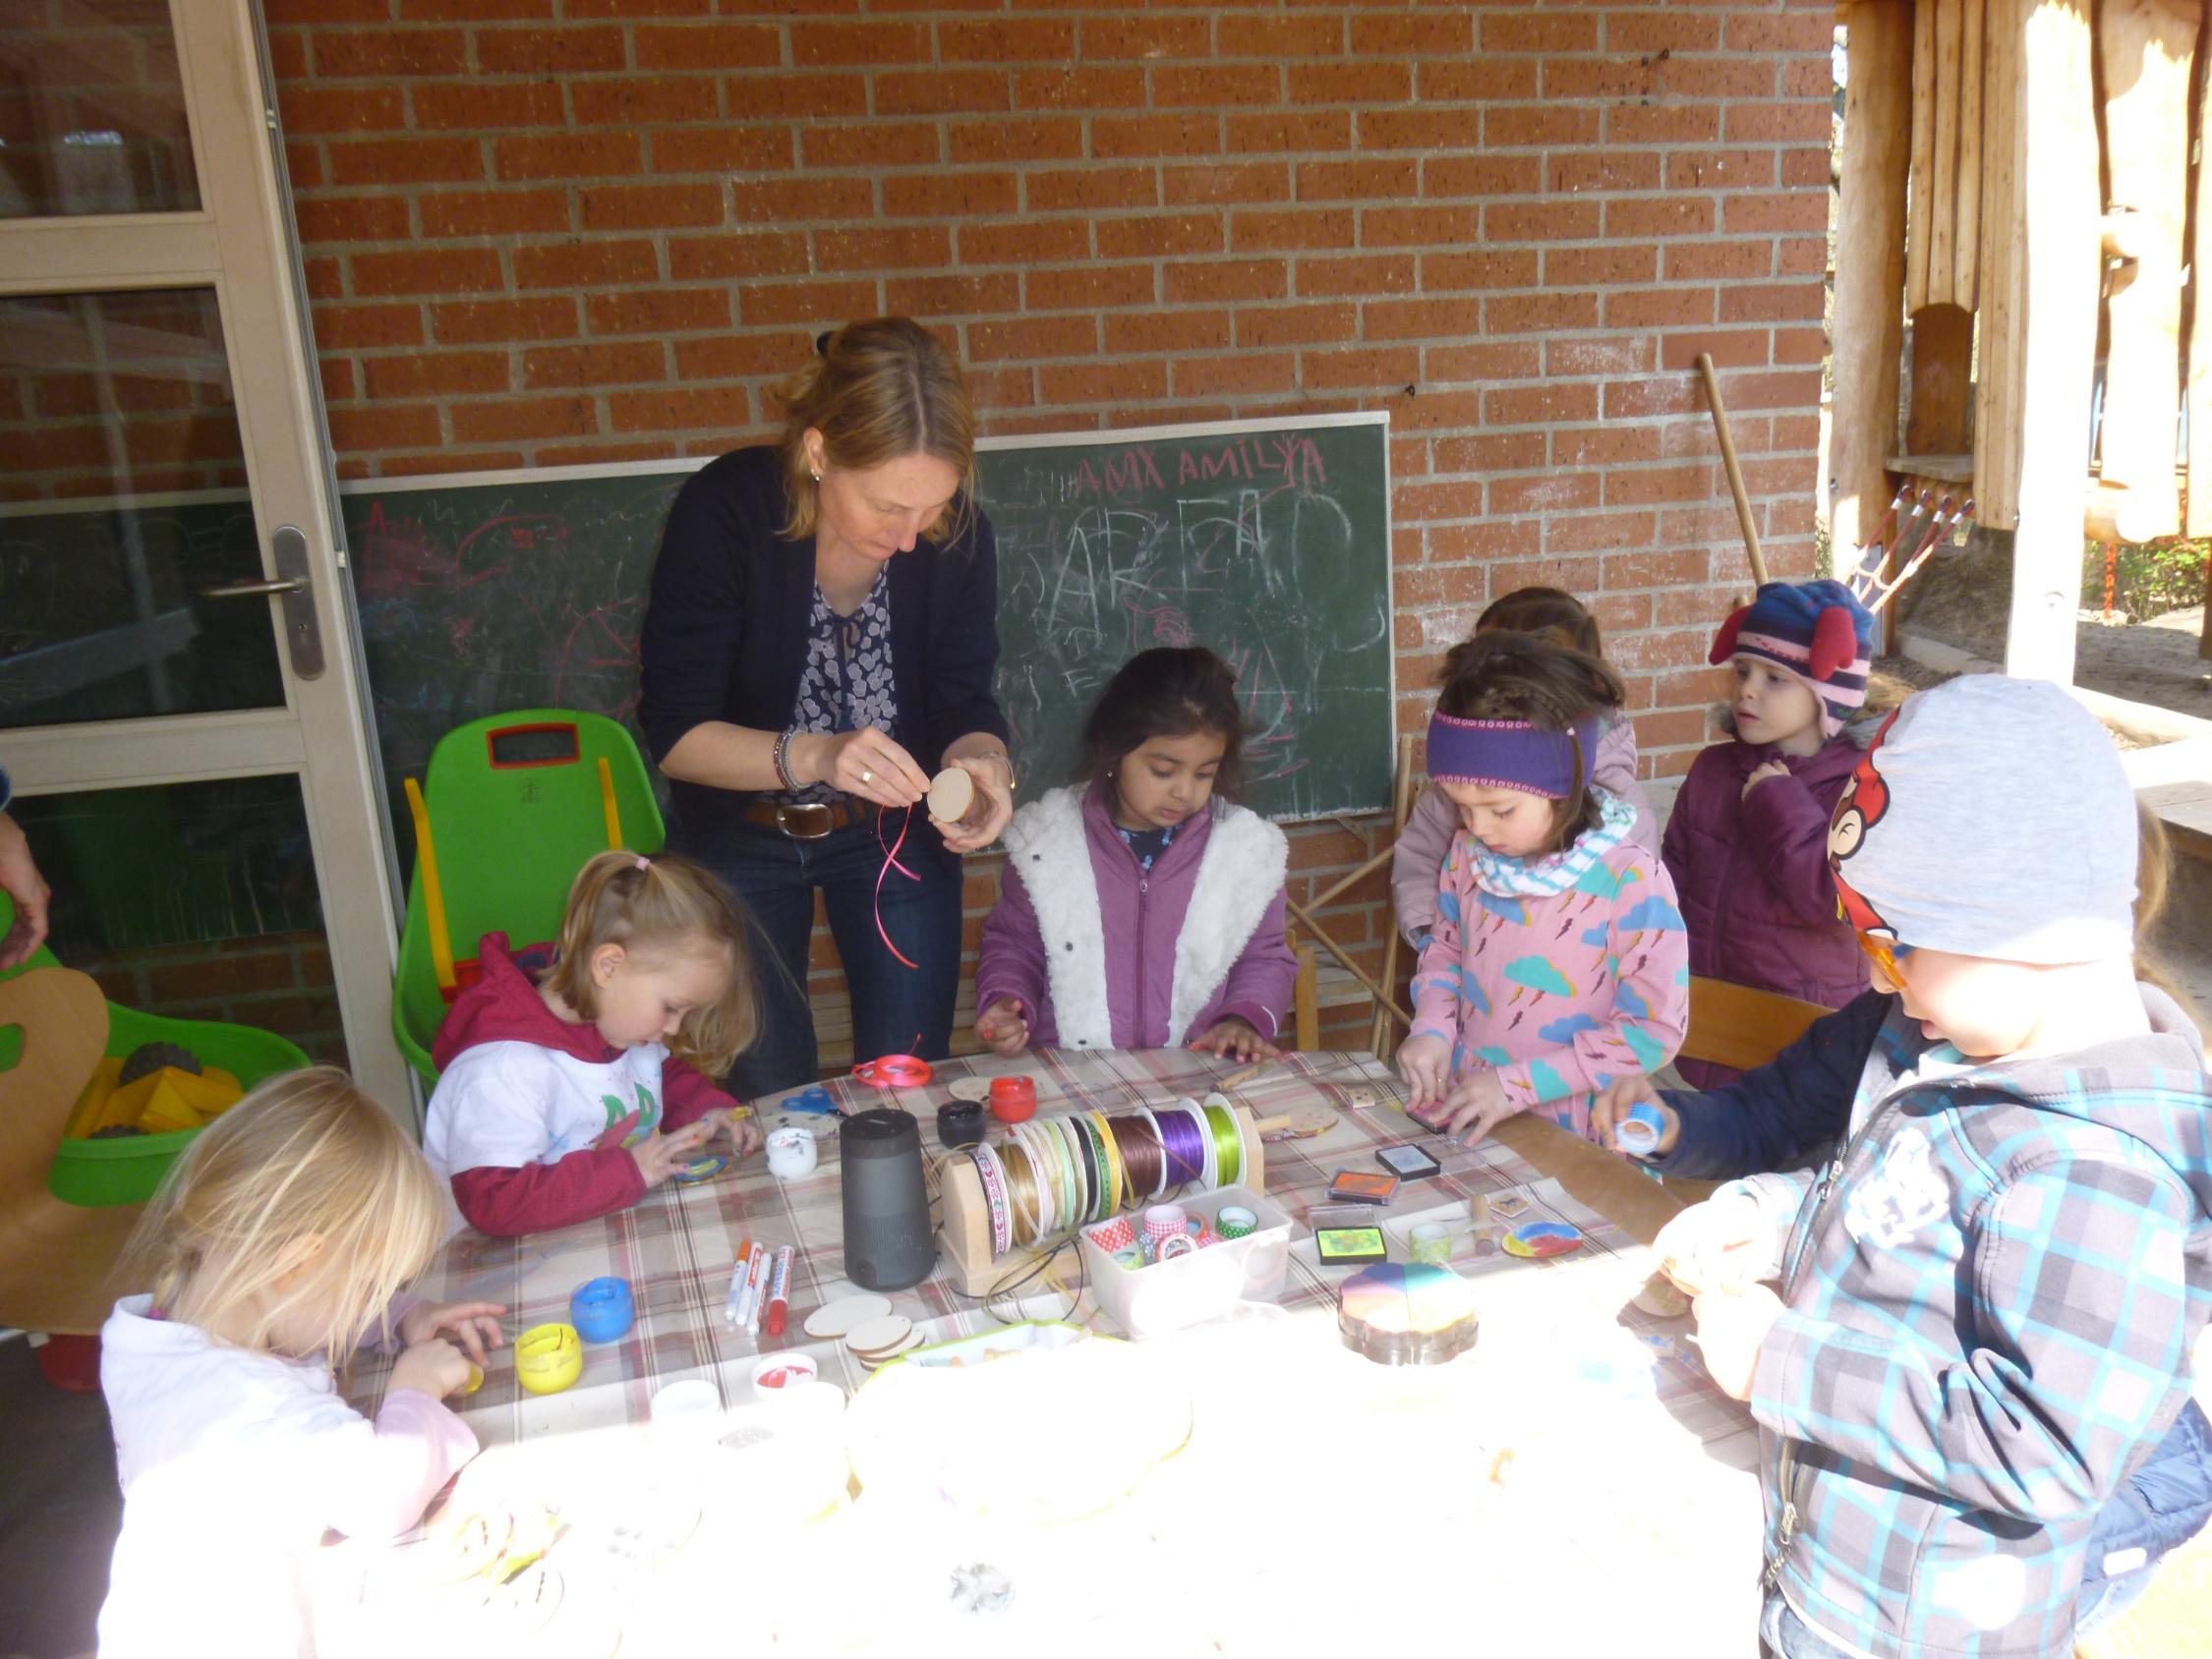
{"x":1993,"y":1273}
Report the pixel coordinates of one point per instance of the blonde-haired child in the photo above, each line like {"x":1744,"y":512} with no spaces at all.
{"x":574,"y":1093}
{"x":281,"y":1239}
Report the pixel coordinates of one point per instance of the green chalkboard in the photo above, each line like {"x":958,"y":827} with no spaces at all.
{"x":1268,"y":541}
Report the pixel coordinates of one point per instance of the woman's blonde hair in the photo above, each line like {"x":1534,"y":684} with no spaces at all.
{"x":663,"y":906}
{"x":305,"y":1199}
{"x":2154,"y":885}
{"x":877,"y":391}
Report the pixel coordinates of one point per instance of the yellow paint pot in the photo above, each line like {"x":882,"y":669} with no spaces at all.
{"x":549,"y":1359}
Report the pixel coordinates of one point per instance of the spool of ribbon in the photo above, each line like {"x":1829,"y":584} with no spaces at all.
{"x":895,"y":1071}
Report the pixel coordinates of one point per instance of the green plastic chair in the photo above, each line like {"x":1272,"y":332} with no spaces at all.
{"x":95,"y":1173}
{"x":516,"y":809}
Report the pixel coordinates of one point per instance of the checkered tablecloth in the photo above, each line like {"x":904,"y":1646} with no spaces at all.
{"x":677,"y":1247}
{"x":1574,"y":1481}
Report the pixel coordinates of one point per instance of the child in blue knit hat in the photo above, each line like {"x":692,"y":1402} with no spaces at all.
{"x":1747,"y":843}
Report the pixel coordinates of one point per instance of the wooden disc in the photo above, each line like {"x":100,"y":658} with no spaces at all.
{"x":951,"y":793}
{"x":977,"y":1089}
{"x":879,"y":1336}
{"x":835,"y":1319}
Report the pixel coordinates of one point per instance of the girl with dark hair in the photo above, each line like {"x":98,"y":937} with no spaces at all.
{"x":819,"y":640}
{"x":1142,"y":907}
{"x":1557,"y":960}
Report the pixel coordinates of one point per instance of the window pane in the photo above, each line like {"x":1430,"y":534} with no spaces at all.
{"x":123,"y":500}
{"x":92,"y":110}
{"x":196,"y":900}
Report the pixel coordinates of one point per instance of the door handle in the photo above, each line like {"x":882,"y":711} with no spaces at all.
{"x":293,"y":588}
{"x":253,"y":590}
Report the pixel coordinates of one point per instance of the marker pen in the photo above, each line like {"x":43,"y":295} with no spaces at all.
{"x":780,"y":1292}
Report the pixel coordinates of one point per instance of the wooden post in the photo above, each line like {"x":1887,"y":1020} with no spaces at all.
{"x":2055,"y":152}
{"x":2146,"y":47}
{"x":1870,"y":254}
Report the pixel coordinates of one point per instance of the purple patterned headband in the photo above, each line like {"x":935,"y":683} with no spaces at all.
{"x":1511,"y":754}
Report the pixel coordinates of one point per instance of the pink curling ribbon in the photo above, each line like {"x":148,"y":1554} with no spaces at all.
{"x":894,"y":1071}
{"x":891,"y":863}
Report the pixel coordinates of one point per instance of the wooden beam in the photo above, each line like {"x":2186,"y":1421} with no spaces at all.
{"x":2146,"y":47}
{"x":1939,"y":416}
{"x":1921,"y":113}
{"x":1942,"y":204}
{"x":2197,"y":391}
{"x":2057,"y":155}
{"x":1870,"y":264}
{"x":1966,"y":226}
{"x":2000,"y":278}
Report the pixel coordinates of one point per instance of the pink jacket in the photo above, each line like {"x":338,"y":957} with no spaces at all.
{"x":1102,"y":953}
{"x":1434,"y":820}
{"x":1559,"y":991}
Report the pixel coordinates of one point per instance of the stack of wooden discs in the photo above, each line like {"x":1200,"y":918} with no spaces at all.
{"x":877,"y":1341}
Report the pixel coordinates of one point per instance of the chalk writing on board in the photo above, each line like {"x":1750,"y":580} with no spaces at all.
{"x":1269,"y":546}
{"x":1247,"y":550}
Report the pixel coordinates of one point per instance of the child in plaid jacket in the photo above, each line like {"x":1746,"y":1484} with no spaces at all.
{"x":1990,"y":1288}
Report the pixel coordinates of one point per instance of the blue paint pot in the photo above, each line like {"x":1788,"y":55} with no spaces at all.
{"x":602,"y":1310}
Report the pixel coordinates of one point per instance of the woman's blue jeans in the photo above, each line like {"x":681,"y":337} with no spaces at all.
{"x":896,"y":1009}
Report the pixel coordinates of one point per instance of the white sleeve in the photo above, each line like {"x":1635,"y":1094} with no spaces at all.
{"x":493,"y":1108}
{"x":368,"y":1479}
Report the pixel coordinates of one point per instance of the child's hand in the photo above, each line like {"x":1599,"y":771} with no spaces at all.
{"x":661,"y":1155}
{"x":1236,"y":1038}
{"x":1425,"y":1062}
{"x":1611,"y":1103}
{"x":1732,"y":1322}
{"x":1003,"y":1027}
{"x":1712,"y":1243}
{"x":1476,"y":1105}
{"x":1760,"y":775}
{"x":473,"y":1324}
{"x":435,"y":1367}
{"x":746,"y":1137}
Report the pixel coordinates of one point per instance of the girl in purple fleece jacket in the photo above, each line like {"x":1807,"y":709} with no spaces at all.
{"x":1747,"y":841}
{"x":1139,"y":908}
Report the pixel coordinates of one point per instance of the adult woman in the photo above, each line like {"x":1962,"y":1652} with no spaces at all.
{"x":821,"y":637}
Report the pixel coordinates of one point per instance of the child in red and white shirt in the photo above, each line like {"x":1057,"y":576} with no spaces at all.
{"x":573,"y":1094}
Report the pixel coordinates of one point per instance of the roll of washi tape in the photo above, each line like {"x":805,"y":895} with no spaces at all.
{"x":960,"y":1124}
{"x":701,"y":1170}
{"x":1638,"y":1134}
{"x":894,"y":1071}
{"x":603,"y":1310}
{"x":1235,"y":1221}
{"x":1165,"y":1221}
{"x":1115,"y":1235}
{"x":791,"y":1153}
{"x":1014,"y":1100}
{"x":549,"y":1359}
{"x":1176,"y":1244}
{"x":1131,"y":1257}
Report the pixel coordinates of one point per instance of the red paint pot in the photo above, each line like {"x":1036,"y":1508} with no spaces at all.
{"x":1014,"y":1098}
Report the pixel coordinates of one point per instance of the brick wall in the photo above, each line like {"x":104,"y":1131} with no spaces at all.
{"x":544,"y":232}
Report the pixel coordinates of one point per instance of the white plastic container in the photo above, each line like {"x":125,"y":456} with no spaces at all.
{"x":1172,"y":1295}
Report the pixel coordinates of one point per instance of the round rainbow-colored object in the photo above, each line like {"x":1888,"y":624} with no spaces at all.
{"x":1405,"y":1313}
{"x":1537,"y":1241}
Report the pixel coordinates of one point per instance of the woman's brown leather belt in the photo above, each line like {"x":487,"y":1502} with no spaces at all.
{"x":806,"y":821}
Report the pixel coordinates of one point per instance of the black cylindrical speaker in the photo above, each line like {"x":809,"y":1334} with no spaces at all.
{"x":888,"y":1244}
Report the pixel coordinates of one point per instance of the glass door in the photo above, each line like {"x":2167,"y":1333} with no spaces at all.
{"x":180,"y":701}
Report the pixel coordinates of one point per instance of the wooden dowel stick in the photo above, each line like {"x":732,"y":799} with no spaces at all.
{"x":1356,"y":972}
{"x":1342,"y":883}
{"x":1735,"y":470}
